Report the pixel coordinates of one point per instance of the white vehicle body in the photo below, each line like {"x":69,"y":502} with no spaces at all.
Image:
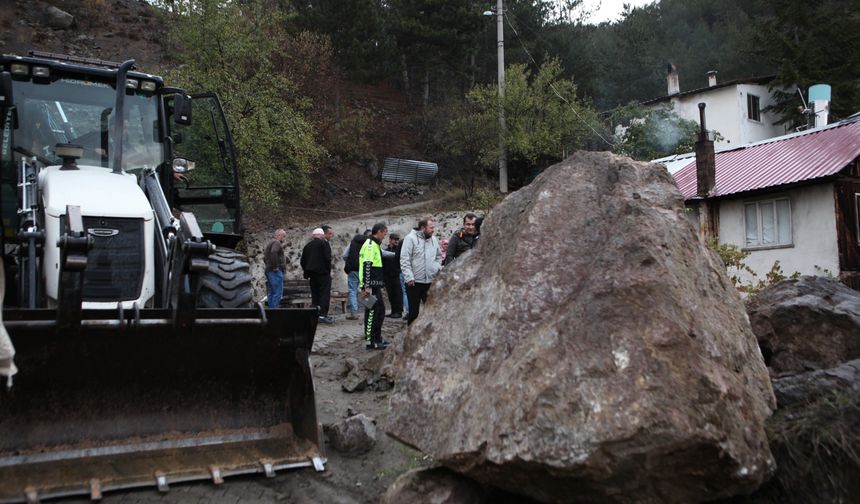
{"x":100,"y":193}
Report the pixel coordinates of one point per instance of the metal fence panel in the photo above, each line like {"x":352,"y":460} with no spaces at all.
{"x":408,"y":171}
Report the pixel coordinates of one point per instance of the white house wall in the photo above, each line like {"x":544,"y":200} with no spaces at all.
{"x":754,"y":131}
{"x":726,"y":112}
{"x":720,"y":112}
{"x":813,"y":227}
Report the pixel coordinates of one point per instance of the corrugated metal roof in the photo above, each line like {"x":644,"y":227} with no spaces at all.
{"x":408,"y":170}
{"x":779,"y":161}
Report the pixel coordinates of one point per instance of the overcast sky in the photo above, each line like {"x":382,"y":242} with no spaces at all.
{"x":610,"y":10}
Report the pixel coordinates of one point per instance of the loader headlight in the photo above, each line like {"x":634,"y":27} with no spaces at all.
{"x":41,"y":71}
{"x":182,"y":165}
{"x":19,"y":69}
{"x":148,"y":86}
{"x":131,"y":83}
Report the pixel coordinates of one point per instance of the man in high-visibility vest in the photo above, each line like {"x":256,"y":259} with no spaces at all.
{"x":370,"y":281}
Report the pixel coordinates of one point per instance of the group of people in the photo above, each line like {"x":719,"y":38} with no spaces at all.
{"x":316,"y":268}
{"x":404,"y":268}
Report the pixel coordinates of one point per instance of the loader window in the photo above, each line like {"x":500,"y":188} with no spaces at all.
{"x":81,"y":112}
{"x":210,"y":191}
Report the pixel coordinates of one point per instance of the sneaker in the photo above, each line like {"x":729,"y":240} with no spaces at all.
{"x":352,"y":316}
{"x":377,"y":345}
{"x":326,"y":320}
{"x":406,"y":317}
{"x":395,"y":315}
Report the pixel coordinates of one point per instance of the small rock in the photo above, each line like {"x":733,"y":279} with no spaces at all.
{"x":438,"y":485}
{"x":355,"y":435}
{"x":57,"y":18}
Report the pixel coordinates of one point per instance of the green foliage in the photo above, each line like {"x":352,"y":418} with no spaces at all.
{"x":232,"y":48}
{"x":348,"y":138}
{"x":456,"y":135}
{"x":800,"y":43}
{"x":485,"y":199}
{"x":543,"y":118}
{"x":734,"y":260}
{"x":647,"y":134}
{"x":358,"y":30}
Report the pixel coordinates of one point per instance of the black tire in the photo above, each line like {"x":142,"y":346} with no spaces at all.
{"x":228,"y":283}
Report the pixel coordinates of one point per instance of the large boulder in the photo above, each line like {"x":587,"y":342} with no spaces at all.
{"x":806,"y":323}
{"x":589,"y":349}
{"x":813,"y":385}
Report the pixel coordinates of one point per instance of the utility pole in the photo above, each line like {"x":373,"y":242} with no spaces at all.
{"x":503,"y":151}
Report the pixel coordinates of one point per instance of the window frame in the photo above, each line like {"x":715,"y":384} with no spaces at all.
{"x":753,"y":114}
{"x":777,"y":244}
{"x":857,"y":215}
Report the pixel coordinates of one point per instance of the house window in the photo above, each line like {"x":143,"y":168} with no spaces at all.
{"x":753,"y":109}
{"x":767,"y":223}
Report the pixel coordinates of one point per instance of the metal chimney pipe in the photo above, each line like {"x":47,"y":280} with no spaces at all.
{"x":705,"y":159}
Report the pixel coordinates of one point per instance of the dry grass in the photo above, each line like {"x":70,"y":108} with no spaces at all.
{"x":817,"y":451}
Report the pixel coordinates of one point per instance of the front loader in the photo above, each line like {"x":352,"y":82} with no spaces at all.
{"x":141,"y":359}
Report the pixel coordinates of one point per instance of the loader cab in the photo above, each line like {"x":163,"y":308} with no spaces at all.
{"x":63,"y":103}
{"x":203,"y":178}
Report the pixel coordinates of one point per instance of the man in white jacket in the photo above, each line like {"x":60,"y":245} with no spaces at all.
{"x":420,"y":261}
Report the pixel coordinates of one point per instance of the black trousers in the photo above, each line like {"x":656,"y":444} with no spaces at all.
{"x":321,"y":292}
{"x":395,"y":296}
{"x":373,"y":317}
{"x":416,"y":294}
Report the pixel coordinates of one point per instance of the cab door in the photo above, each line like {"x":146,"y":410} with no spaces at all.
{"x":210,"y":190}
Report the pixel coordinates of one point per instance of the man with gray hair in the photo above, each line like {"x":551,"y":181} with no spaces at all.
{"x":316,"y":265}
{"x":276,"y":265}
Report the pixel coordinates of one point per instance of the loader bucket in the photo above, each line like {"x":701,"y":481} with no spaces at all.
{"x":127,"y":401}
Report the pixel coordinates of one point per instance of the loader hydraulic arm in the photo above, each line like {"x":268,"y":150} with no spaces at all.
{"x":74,"y":245}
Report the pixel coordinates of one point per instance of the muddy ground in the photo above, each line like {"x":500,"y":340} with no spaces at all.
{"x":346,"y":479}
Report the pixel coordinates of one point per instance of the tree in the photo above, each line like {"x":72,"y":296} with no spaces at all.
{"x":647,"y":134}
{"x":811,"y":46}
{"x":359,"y":31}
{"x":544,"y":119}
{"x":232,"y":48}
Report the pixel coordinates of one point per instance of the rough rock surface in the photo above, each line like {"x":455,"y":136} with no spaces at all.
{"x":808,"y":387}
{"x":433,"y":486}
{"x":57,"y":18}
{"x":589,"y":349}
{"x":366,"y":374}
{"x":355,"y":435}
{"x":806,"y":323}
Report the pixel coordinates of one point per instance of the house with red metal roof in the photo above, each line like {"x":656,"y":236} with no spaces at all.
{"x":793,"y":199}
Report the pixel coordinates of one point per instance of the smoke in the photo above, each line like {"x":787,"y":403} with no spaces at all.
{"x":666,"y":133}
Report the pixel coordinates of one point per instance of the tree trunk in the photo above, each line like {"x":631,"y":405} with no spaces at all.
{"x":426,"y":87}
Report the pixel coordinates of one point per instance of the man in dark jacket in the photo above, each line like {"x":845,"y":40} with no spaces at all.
{"x":275,"y":264}
{"x":391,"y":273}
{"x":463,"y":240}
{"x":316,"y":264}
{"x":350,"y":267}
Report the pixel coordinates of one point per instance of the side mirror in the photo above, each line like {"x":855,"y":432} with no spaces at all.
{"x":182,"y":165}
{"x":177,"y":137}
{"x":182,"y":109}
